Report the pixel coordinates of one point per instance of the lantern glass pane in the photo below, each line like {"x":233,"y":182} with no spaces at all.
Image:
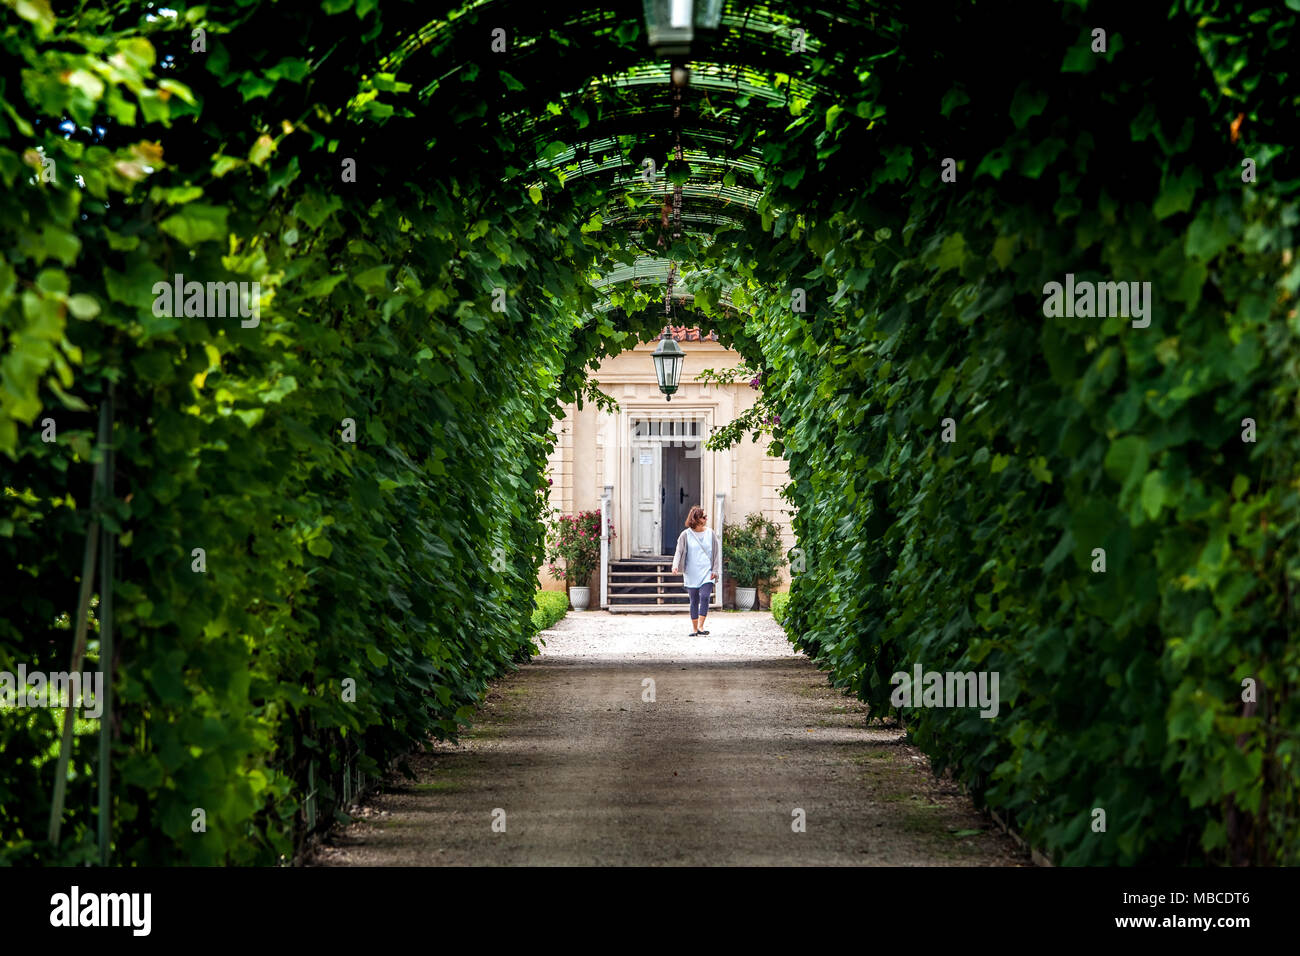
{"x":669,"y":27}
{"x":708,"y":13}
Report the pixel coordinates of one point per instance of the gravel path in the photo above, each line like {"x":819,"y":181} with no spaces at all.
{"x":740,"y":740}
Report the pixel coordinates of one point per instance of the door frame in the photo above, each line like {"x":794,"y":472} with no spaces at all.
{"x":674,"y":463}
{"x":703,"y":412}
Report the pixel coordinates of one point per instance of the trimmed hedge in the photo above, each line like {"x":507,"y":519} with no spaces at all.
{"x":405,"y":560}
{"x":363,"y":467}
{"x":780,"y":604}
{"x":1128,"y":691}
{"x":551,"y":608}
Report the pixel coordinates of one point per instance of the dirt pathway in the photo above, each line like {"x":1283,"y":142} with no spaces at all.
{"x":584,"y":768}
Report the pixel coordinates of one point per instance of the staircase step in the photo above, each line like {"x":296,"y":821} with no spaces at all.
{"x":646,"y":608}
{"x":671,"y":605}
{"x":647,"y":585}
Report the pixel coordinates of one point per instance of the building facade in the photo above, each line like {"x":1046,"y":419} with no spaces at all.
{"x":646,"y":463}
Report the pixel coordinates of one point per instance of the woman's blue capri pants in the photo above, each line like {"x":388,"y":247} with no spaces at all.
{"x":700,"y":599}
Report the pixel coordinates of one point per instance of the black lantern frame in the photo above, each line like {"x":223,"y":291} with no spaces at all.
{"x":669,"y":357}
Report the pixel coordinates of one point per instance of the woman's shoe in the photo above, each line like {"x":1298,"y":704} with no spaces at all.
{"x":694,"y":633}
{"x":700,"y":632}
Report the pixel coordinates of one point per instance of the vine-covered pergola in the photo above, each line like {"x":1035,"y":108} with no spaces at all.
{"x":321,"y":526}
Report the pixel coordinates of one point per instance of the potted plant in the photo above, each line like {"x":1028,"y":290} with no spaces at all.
{"x":575,"y":540}
{"x":753,"y":552}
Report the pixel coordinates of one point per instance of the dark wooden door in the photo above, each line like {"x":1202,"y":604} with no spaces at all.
{"x":679,"y":490}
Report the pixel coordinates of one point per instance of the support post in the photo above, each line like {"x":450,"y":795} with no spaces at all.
{"x":310,"y":799}
{"x":719,"y":501}
{"x":606,"y":510}
{"x":106,"y":556}
{"x":89,"y":559}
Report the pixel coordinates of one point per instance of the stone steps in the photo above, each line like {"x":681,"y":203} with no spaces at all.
{"x":646,"y":585}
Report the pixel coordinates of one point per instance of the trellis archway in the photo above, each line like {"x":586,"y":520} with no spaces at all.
{"x":425,"y":218}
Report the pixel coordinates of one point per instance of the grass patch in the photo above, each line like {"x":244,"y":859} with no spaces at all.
{"x":432,"y":787}
{"x":872,"y":755}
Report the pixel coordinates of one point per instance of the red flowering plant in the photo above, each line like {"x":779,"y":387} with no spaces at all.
{"x":575,"y":540}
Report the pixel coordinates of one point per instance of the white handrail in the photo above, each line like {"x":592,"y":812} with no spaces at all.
{"x":719,"y":500}
{"x":606,"y":506}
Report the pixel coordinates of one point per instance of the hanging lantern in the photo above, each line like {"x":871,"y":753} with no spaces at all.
{"x":673,"y":25}
{"x":668,"y":358}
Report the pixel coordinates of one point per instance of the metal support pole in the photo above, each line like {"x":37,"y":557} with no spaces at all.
{"x":311,"y":796}
{"x":107,"y":540}
{"x":88,"y":559}
{"x":719,"y":518}
{"x":604,"y":545}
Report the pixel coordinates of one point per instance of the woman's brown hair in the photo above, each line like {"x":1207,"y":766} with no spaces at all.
{"x":695,"y":518}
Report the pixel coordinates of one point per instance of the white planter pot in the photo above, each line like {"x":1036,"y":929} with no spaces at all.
{"x":746,"y":598}
{"x":580,"y":598}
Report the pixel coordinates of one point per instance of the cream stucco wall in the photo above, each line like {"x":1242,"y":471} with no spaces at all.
{"x":595,"y":448}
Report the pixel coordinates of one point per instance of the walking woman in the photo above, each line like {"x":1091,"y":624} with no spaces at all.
{"x":699,"y":561}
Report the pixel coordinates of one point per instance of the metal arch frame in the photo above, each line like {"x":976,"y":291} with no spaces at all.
{"x":654,"y":271}
{"x":715,"y":219}
{"x":759,"y":33}
{"x":748,"y":60}
{"x":608,"y":155}
{"x":708,"y":76}
{"x":614,"y":160}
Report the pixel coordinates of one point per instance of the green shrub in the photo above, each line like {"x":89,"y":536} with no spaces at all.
{"x":780,"y":601}
{"x":551,"y":607}
{"x":752,"y":550}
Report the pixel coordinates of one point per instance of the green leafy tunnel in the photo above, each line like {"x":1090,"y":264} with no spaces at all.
{"x":450,"y":220}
